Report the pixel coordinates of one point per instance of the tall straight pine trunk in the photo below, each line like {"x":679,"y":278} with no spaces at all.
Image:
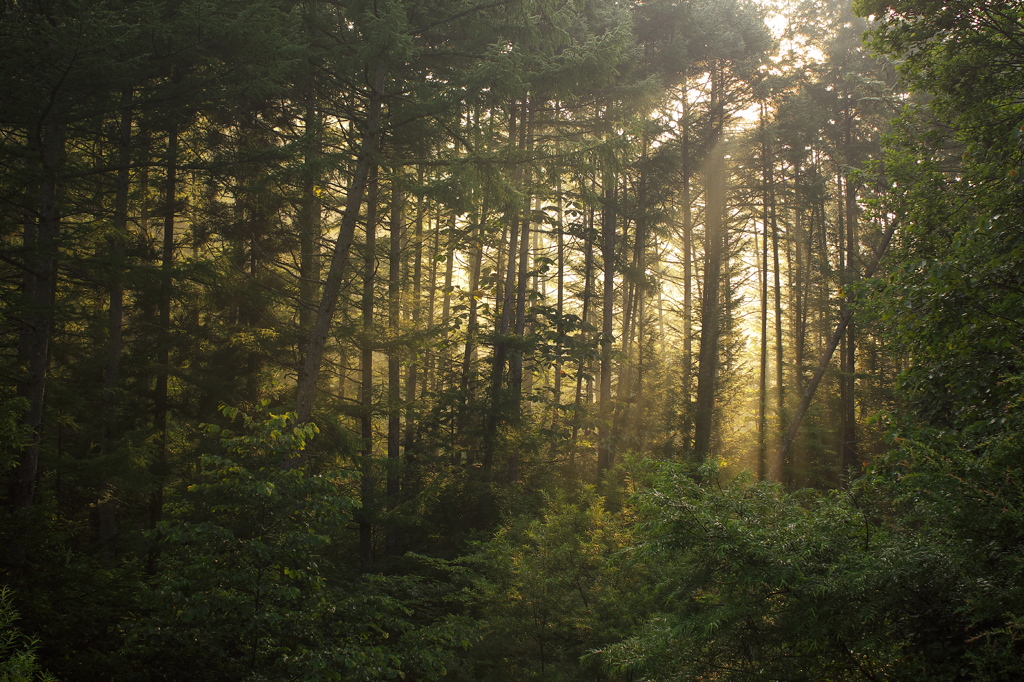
{"x":685,"y":200}
{"x":39,"y":289}
{"x":605,"y":453}
{"x":160,"y":467}
{"x":367,"y":480}
{"x":393,"y":486}
{"x":710,"y":310}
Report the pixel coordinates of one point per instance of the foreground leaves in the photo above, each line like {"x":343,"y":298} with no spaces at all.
{"x":913,"y":574}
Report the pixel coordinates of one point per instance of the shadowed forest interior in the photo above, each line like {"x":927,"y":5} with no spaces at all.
{"x":552,"y":340}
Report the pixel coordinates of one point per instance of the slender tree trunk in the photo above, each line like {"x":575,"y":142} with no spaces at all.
{"x":443,"y":366}
{"x":538,"y":287}
{"x":39,"y":289}
{"x":629,"y":389}
{"x":638,"y":420}
{"x":714,"y":243}
{"x":367,"y":482}
{"x":605,"y":456}
{"x":799,"y":292}
{"x":522,"y":283}
{"x":686,"y":200}
{"x":412,"y":371}
{"x":559,"y":295}
{"x":633,"y":303}
{"x":473,"y":322}
{"x":316,"y":345}
{"x":309,"y":215}
{"x":762,"y":386}
{"x":581,"y":366}
{"x":435,"y":252}
{"x":161,"y":466}
{"x":660,"y":250}
{"x":795,"y":285}
{"x":780,"y":386}
{"x":393,"y":490}
{"x":116,"y":245}
{"x":849,"y":456}
{"x":626,"y":329}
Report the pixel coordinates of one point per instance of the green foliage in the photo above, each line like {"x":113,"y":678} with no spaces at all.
{"x":238,"y":566}
{"x":251,"y":581}
{"x":552,"y":589}
{"x":748,"y":587}
{"x":17,"y":652}
{"x":954,"y":299}
{"x":911,"y":575}
{"x":13,"y":434}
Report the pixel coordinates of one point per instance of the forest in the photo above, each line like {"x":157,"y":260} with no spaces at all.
{"x":500,"y":340}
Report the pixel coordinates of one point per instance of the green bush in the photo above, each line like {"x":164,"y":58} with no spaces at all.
{"x":17,"y":652}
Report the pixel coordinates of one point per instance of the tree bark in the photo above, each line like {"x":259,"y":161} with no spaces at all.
{"x":412,"y":371}
{"x":849,"y":457}
{"x":393,"y":488}
{"x":39,"y":289}
{"x":309,"y":219}
{"x":366,"y":483}
{"x":160,"y":467}
{"x":686,"y":200}
{"x":311,"y":365}
{"x":559,"y":296}
{"x":762,"y":385}
{"x":710,"y":315}
{"x":116,"y":243}
{"x":587,"y":295}
{"x":522,"y":280}
{"x":605,"y":455}
{"x":780,"y":386}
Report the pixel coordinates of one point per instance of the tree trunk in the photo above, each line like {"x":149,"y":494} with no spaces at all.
{"x":473,"y":323}
{"x":710,"y":313}
{"x":39,"y":289}
{"x":762,"y":385}
{"x":780,"y":387}
{"x":559,"y":298}
{"x":161,"y":467}
{"x":605,"y":454}
{"x":686,"y":200}
{"x":116,"y":244}
{"x":309,"y":219}
{"x":412,"y":371}
{"x":588,"y":294}
{"x":522,"y":283}
{"x":394,"y":364}
{"x":427,"y":379}
{"x":311,"y":366}
{"x":366,"y":483}
{"x":849,"y":456}
{"x":443,"y":369}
